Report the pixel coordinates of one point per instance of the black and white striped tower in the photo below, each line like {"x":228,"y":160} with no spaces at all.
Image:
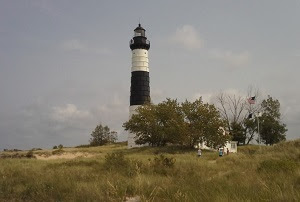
{"x":140,"y":88}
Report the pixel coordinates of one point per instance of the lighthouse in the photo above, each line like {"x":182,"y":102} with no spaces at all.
{"x":140,"y":88}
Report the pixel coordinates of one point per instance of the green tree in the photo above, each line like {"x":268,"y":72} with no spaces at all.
{"x":272,"y":130}
{"x":204,"y":124}
{"x":238,"y":132}
{"x":171,"y":122}
{"x":144,"y":125}
{"x":183,"y":124}
{"x":250,"y":128}
{"x":156,"y":125}
{"x":102,"y":135}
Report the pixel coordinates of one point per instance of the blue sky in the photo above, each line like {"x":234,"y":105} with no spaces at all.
{"x":65,"y":65}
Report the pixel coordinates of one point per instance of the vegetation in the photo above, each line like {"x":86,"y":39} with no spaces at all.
{"x":102,"y":135}
{"x":272,"y":129}
{"x":241,"y":118}
{"x":234,"y":110}
{"x":114,"y":173}
{"x":170,"y":122}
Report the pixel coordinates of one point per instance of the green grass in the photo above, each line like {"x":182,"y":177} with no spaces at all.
{"x":255,"y":173}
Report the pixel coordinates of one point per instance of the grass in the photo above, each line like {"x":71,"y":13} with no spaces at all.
{"x":114,"y":173}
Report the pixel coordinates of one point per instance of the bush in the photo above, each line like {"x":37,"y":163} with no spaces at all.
{"x":29,"y":154}
{"x":36,"y":149}
{"x":55,"y":147}
{"x":60,"y":146}
{"x":118,"y":163}
{"x":59,"y":151}
{"x":115,"y":161}
{"x":162,"y":164}
{"x":83,"y":146}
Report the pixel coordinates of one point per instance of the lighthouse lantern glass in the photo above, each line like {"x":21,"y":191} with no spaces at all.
{"x":139,"y":32}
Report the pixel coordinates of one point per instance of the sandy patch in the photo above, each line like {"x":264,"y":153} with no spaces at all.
{"x":65,"y":155}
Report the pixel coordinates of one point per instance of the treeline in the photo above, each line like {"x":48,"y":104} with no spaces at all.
{"x":251,"y":118}
{"x":189,"y":123}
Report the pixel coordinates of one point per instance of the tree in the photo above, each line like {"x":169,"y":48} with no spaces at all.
{"x":234,"y":110}
{"x":250,"y":128}
{"x":183,"y":124}
{"x":156,"y":125}
{"x":204,"y":124}
{"x":102,"y":135}
{"x":171,"y":122}
{"x":272,"y":129}
{"x":238,"y":132}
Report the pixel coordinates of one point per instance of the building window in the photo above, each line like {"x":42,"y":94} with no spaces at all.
{"x":232,"y":145}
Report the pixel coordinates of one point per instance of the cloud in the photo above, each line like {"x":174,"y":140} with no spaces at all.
{"x":157,"y":95}
{"x":46,"y":6}
{"x":206,"y":97}
{"x":211,"y":97}
{"x":69,"y":112}
{"x":74,"y":45}
{"x":297,"y":53}
{"x":232,"y":60}
{"x":42,"y":125}
{"x":77,"y":45}
{"x":188,"y":37}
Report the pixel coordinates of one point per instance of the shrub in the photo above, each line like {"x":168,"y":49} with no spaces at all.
{"x":164,"y":161}
{"x":162,"y":164}
{"x":29,"y":154}
{"x":115,"y":161}
{"x":60,"y":146}
{"x":36,"y":149}
{"x":55,"y":147}
{"x":83,"y":146}
{"x":59,"y":151}
{"x":118,"y":163}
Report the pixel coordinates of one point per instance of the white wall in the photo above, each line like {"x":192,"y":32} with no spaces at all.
{"x":140,"y":61}
{"x":231,"y":145}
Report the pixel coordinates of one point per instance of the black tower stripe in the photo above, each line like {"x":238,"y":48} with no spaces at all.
{"x":140,"y":88}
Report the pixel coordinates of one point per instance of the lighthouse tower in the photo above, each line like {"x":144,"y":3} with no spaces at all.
{"x":140,"y":88}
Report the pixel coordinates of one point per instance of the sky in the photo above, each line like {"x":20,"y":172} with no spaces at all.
{"x":65,"y":64}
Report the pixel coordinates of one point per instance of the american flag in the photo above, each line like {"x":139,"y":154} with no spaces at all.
{"x":251,"y":100}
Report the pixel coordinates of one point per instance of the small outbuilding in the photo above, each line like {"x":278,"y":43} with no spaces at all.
{"x":230,"y":145}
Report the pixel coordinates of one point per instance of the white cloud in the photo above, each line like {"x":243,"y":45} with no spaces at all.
{"x":233,"y":60}
{"x":157,"y":95}
{"x":82,"y":46}
{"x":236,"y":92}
{"x":69,"y":112}
{"x":46,"y":6}
{"x":206,"y":97}
{"x":210,"y":97}
{"x":297,"y":53}
{"x":188,"y":37}
{"x":74,"y":45}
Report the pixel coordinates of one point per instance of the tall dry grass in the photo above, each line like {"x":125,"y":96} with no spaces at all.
{"x":255,"y":173}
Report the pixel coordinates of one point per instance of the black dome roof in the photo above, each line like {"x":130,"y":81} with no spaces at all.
{"x":139,"y":28}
